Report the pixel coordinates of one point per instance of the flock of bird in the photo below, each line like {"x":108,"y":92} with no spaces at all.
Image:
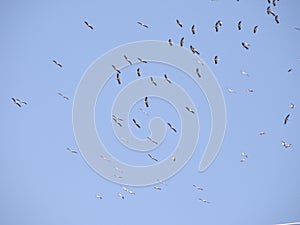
{"x":118,"y":121}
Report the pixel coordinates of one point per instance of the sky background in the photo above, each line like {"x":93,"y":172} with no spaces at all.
{"x":43,"y":183}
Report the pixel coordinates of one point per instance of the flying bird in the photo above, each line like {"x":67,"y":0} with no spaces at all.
{"x":151,"y":157}
{"x":239,"y":25}
{"x":170,"y":42}
{"x":146,"y":102}
{"x":171,"y":126}
{"x":290,"y":70}
{"x":245,"y":45}
{"x":116,"y":69}
{"x":18,"y":102}
{"x":117,"y":121}
{"x":57,"y":63}
{"x":244,"y":73}
{"x":198,"y":72}
{"x":244,"y":154}
{"x":197,"y":187}
{"x":136,"y":123}
{"x":189,"y":110}
{"x":118,"y":78}
{"x":269,"y":11}
{"x":297,"y":28}
{"x":255,"y":29}
{"x":217,"y":25}
{"x":150,"y":139}
{"x":143,"y":25}
{"x":62,"y":95}
{"x":181,"y":42}
{"x":231,"y":90}
{"x":250,"y":90}
{"x":276,"y":19}
{"x":286,"y":145}
{"x":153,"y":81}
{"x":286,"y":119}
{"x":157,"y":188}
{"x":138,"y":72}
{"x":292,"y":105}
{"x":216,"y":59}
{"x":262,"y":133}
{"x":98,"y":196}
{"x":274,"y":2}
{"x":105,"y":158}
{"x":142,"y":60}
{"x":121,"y":196}
{"x":89,"y":25}
{"x":193,"y":29}
{"x":167,"y":79}
{"x":72,"y":150}
{"x":203,"y":200}
{"x":194,"y":50}
{"x":243,"y":160}
{"x":173,"y":158}
{"x":179,"y":23}
{"x":128,"y":60}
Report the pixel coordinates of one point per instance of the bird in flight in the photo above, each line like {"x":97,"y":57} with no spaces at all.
{"x":231,"y":90}
{"x":153,"y":81}
{"x":18,"y":102}
{"x":167,"y":79}
{"x":171,"y":126}
{"x":198,"y":72}
{"x":244,"y":73}
{"x":274,"y":2}
{"x":197,"y":187}
{"x":138,"y":72}
{"x":142,"y":60}
{"x":216,"y":59}
{"x":98,"y":196}
{"x":127,"y":59}
{"x":105,"y":158}
{"x":262,"y":133}
{"x":121,"y":196}
{"x":157,"y":188}
{"x":150,"y":139}
{"x":189,"y":110}
{"x":193,"y":29}
{"x":255,"y":29}
{"x":243,"y":160}
{"x":116,"y":69}
{"x":194,"y":50}
{"x":239,"y":25}
{"x":136,"y":123}
{"x":146,"y":102}
{"x":286,"y":119}
{"x":118,"y":78}
{"x":170,"y":42}
{"x":244,"y":154}
{"x":203,"y":200}
{"x":290,"y":70}
{"x":250,"y":90}
{"x":276,"y":19}
{"x":151,"y":157}
{"x":286,"y":145}
{"x":89,"y":25}
{"x":72,"y":150}
{"x":245,"y":45}
{"x":217,"y":25}
{"x":57,"y":63}
{"x":297,"y":28}
{"x":62,"y":95}
{"x":181,"y":42}
{"x":117,"y":120}
{"x":292,"y":105}
{"x":179,"y":23}
{"x":143,"y":25}
{"x":269,"y":11}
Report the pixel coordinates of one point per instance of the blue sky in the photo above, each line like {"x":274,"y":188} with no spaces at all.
{"x":43,"y":183}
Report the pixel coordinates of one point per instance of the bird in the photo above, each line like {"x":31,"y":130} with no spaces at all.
{"x":292,"y":105}
{"x":72,"y":150}
{"x":197,"y":187}
{"x":297,"y":28}
{"x":274,"y":2}
{"x":167,"y":79}
{"x":181,"y":42}
{"x":179,"y":23}
{"x":121,"y":196}
{"x":150,"y":139}
{"x":286,"y":145}
{"x":255,"y":29}
{"x":204,"y":200}
{"x":131,"y":192}
{"x":18,"y":102}
{"x":269,"y":1}
{"x":244,"y":154}
{"x":105,"y":158}
{"x":117,"y":118}
{"x":217,"y":25}
{"x":124,"y":188}
{"x":118,"y":169}
{"x":136,"y":123}
{"x":171,"y":126}
{"x":286,"y":119}
{"x":98,"y":196}
{"x":118,"y":78}
{"x":276,"y":19}
{"x":170,"y":42}
{"x":250,"y":90}
{"x":262,"y":133}
{"x":153,"y":81}
{"x":128,"y":60}
{"x":269,"y":11}
{"x":142,"y":60}
{"x":239,"y":25}
{"x":198,"y":72}
{"x":116,"y":69}
{"x":245,"y":45}
{"x":189,"y":109}
{"x":157,"y":188}
{"x":151,"y":157}
{"x":143,"y":25}
{"x":231,"y":90}
{"x":243,"y":160}
{"x":89,"y":25}
{"x":117,"y":121}
{"x":57,"y":63}
{"x":193,"y":29}
{"x":173,"y":158}
{"x":65,"y":97}
{"x":290,"y":70}
{"x":216,"y":59}
{"x":138,"y":72}
{"x":146,"y":102}
{"x":194,"y":50}
{"x":244,"y":73}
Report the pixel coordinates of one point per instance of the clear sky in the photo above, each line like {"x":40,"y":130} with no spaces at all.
{"x":43,"y":183}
